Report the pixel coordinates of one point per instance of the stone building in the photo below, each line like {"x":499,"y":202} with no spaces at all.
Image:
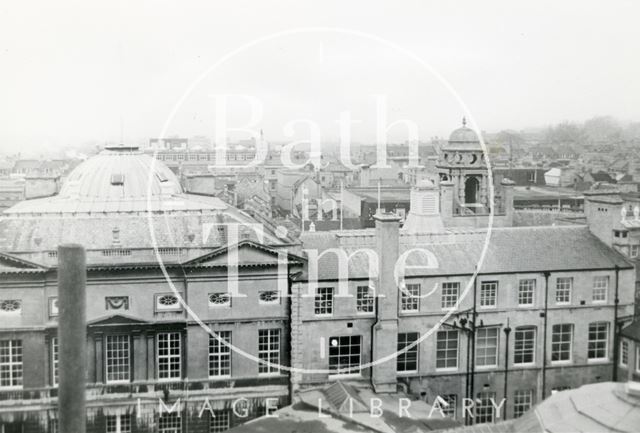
{"x":152,"y":250}
{"x":515,"y":312}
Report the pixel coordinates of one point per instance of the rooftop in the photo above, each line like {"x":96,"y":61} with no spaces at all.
{"x":545,"y":248}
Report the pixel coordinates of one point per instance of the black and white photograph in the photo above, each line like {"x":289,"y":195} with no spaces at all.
{"x":304,"y":216}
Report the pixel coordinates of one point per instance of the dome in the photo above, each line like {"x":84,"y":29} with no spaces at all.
{"x":464,"y":138}
{"x":464,"y":135}
{"x":119,"y":180}
{"x":120,"y":174}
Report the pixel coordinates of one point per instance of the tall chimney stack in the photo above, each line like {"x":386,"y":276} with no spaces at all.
{"x":385,"y":330}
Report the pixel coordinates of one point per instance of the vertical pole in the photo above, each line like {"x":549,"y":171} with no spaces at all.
{"x":72,"y":331}
{"x":507,"y":331}
{"x":341,"y":203}
{"x":379,"y":212}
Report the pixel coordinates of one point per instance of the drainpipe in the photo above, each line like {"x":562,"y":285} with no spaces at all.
{"x":372,"y":338}
{"x":616,"y":301}
{"x":544,"y":333}
{"x":507,"y":331}
{"x":472,"y":334}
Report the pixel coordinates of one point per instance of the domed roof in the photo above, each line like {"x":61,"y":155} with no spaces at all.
{"x":120,"y":173}
{"x":464,"y":138}
{"x":118,"y":180}
{"x":464,"y":134}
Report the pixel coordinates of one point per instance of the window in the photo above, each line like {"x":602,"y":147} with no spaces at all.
{"x":10,"y":306}
{"x":450,"y":294}
{"x":563,"y":290}
{"x":269,"y":351}
{"x":119,"y":423}
{"x":53,"y":306}
{"x":169,"y":363}
{"x":487,"y":347}
{"x":220,"y":299}
{"x":344,"y":354}
{"x":522,"y":402}
{"x":324,"y":301}
{"x":117,"y":358}
{"x":484,"y":408}
{"x":447,"y":349}
{"x":524,"y":345}
{"x":449,"y":409}
{"x":170,"y":423}
{"x":598,"y":338}
{"x":55,"y":357}
{"x":488,"y":292}
{"x":407,"y":361}
{"x":561,"y":342}
{"x":220,"y":354}
{"x":10,"y":363}
{"x":600,"y":289}
{"x":220,"y":421}
{"x":526,"y":292}
{"x":167,"y":302}
{"x":364,"y":300}
{"x":410,"y":297}
{"x":637,"y":359}
{"x":117,"y":179}
{"x":634,"y":251}
{"x":269,"y":297}
{"x":624,"y":353}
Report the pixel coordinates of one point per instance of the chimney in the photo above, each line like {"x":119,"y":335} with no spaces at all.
{"x":603,"y":212}
{"x":385,"y":330}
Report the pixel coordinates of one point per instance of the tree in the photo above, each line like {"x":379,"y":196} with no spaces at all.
{"x":602,"y":129}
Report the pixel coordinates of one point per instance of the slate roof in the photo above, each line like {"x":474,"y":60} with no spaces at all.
{"x":513,"y":249}
{"x":632,"y":331}
{"x":594,"y":408}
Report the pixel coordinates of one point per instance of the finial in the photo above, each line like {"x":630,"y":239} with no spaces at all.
{"x":464,"y":121}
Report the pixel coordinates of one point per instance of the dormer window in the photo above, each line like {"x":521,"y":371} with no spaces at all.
{"x":117,"y":179}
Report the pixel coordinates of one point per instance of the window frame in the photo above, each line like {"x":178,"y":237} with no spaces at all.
{"x":323,"y":301}
{"x":446,"y":349}
{"x":225,"y":295}
{"x":410,"y":297}
{"x":561,"y":342}
{"x":600,"y":278}
{"x":485,"y":396}
{"x":530,"y":285}
{"x":127,"y":366}
{"x":217,"y":359}
{"x":524,"y":350}
{"x":365,"y":299}
{"x":268,"y":353}
{"x":411,"y":356}
{"x":169,"y":358}
{"x":349,"y":342}
{"x":215,"y":419}
{"x":519,"y":407}
{"x":14,"y":367}
{"x":569,"y":290}
{"x":624,"y":353}
{"x":492,"y":286}
{"x":446,"y":297}
{"x":486,"y":338}
{"x":598,"y":340}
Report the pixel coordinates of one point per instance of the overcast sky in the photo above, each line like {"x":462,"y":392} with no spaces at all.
{"x":83,"y":71}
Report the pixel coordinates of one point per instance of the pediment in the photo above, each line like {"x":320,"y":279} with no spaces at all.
{"x":116,"y":319}
{"x":249,"y":253}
